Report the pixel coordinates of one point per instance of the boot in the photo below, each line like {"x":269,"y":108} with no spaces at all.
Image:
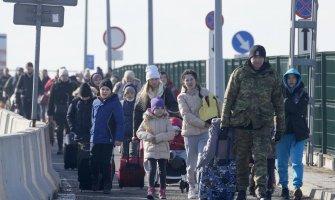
{"x":297,"y":194}
{"x":150,"y":192}
{"x":162,"y":194}
{"x":285,"y":193}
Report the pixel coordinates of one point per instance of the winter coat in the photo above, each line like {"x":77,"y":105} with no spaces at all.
{"x":24,"y":88}
{"x":128,"y":112}
{"x":60,"y":99}
{"x":79,"y":117}
{"x":253,"y":99}
{"x":163,"y":132}
{"x":296,"y":102}
{"x":170,"y":104}
{"x":189,"y":105}
{"x":107,"y":121}
{"x":10,"y":85}
{"x":118,"y":88}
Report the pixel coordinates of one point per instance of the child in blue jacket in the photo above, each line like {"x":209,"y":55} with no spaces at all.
{"x":293,"y":140}
{"x":107,"y":130}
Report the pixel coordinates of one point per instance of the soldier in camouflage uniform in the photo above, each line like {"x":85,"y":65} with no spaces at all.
{"x":253,"y":99}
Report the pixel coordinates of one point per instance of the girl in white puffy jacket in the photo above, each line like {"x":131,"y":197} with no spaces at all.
{"x":156,"y":132}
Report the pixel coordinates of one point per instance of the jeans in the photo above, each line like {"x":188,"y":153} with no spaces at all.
{"x":194,"y":145}
{"x":288,"y":146}
{"x":153,"y":169}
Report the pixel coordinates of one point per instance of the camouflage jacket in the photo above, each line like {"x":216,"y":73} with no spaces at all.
{"x":253,"y":98}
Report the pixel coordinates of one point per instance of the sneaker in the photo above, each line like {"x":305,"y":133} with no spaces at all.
{"x":150,"y":193}
{"x":241,"y":195}
{"x":162,"y":194}
{"x":297,"y":194}
{"x":192,"y":194}
{"x":285,"y":193}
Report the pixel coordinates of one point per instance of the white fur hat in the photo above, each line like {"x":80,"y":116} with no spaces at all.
{"x":151,"y":72}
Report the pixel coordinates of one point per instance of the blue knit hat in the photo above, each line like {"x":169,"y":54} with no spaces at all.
{"x":157,"y":102}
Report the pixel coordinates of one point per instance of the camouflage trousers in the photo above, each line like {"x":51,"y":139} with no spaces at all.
{"x":248,"y":142}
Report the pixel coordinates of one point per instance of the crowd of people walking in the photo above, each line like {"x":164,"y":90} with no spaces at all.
{"x":266,"y":112}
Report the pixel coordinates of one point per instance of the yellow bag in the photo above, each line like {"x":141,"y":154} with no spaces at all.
{"x":210,"y":108}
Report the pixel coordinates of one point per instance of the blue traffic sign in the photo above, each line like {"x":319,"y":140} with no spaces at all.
{"x":90,"y":61}
{"x":242,"y":41}
{"x":303,"y":8}
{"x":210,"y":20}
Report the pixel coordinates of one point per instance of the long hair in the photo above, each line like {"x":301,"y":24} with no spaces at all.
{"x":142,"y":97}
{"x":195,"y":76}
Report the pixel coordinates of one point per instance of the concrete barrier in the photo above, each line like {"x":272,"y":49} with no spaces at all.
{"x":25,"y":160}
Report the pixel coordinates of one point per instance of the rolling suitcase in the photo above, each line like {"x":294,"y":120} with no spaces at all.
{"x":131,"y":172}
{"x":70,"y":152}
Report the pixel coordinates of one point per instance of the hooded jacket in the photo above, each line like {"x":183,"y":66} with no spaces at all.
{"x":296,"y":102}
{"x":119,"y":87}
{"x":163,"y":132}
{"x":253,"y":98}
{"x":107,"y":121}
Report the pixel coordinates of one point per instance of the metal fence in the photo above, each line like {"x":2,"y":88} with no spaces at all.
{"x":324,"y":120}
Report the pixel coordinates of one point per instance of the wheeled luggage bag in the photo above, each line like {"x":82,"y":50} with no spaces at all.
{"x":131,"y":171}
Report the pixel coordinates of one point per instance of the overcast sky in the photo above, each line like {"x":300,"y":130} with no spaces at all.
{"x":180,"y":32}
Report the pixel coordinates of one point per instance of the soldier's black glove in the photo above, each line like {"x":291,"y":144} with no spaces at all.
{"x":277,"y":136}
{"x":223,"y":134}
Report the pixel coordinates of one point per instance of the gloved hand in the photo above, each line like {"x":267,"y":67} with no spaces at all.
{"x":223,"y":134}
{"x":150,"y":138}
{"x":276,"y":136}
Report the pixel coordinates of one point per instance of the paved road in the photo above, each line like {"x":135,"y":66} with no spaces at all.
{"x":69,"y":186}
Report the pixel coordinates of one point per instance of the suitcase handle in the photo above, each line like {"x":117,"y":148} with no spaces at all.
{"x":138,"y":153}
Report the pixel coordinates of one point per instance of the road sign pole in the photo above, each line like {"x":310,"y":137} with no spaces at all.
{"x":37,"y":63}
{"x":109,"y":38}
{"x":150,"y":34}
{"x":85,"y":37}
{"x":292,"y":32}
{"x":219,"y":82}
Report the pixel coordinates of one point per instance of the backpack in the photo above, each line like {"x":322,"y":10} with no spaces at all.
{"x":210,"y":108}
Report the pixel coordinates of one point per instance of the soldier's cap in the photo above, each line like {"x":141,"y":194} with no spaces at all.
{"x":257,"y":50}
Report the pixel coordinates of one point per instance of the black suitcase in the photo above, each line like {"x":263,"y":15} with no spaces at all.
{"x":84,"y":172}
{"x":70,"y":152}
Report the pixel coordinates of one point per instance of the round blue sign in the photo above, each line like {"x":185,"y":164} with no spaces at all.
{"x":242,"y":42}
{"x":210,"y":20}
{"x":303,"y":8}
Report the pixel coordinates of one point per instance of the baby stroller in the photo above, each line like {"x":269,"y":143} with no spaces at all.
{"x":176,"y":167}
